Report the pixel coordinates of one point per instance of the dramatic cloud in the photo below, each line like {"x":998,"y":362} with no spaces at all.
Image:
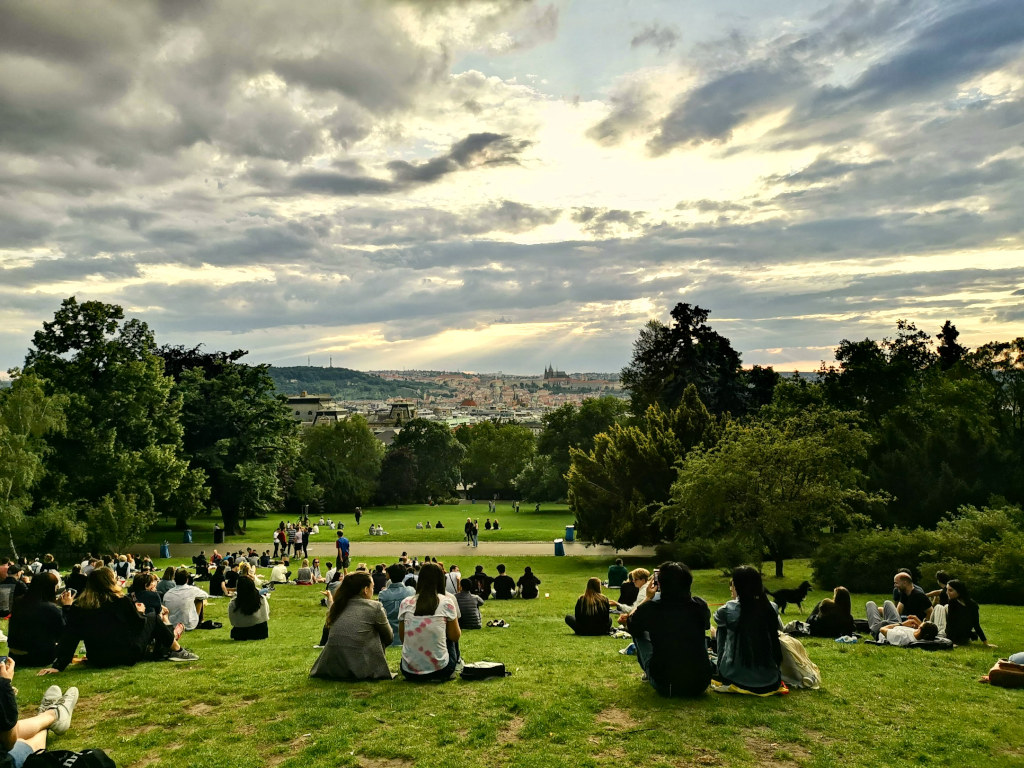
{"x":504,"y":183}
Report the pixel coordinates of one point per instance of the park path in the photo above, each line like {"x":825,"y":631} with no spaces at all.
{"x":377,"y":550}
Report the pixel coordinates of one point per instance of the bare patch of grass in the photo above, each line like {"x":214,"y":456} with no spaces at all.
{"x":510,"y":733}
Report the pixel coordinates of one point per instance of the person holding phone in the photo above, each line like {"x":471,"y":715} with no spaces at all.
{"x":37,"y":621}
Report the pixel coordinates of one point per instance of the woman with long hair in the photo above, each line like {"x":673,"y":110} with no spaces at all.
{"x":249,"y":611}
{"x":592,"y":615}
{"x":428,"y":624}
{"x":143,"y":590}
{"x":37,"y":622}
{"x":166,"y":581}
{"x":833,"y":616}
{"x":962,"y":615}
{"x":116,"y":630}
{"x":749,"y":652}
{"x":357,"y":634}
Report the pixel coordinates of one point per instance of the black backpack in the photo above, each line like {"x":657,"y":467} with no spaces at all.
{"x":481,"y":670}
{"x":65,"y":758}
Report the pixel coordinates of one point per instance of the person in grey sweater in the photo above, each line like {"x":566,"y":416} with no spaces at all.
{"x":358,"y":633}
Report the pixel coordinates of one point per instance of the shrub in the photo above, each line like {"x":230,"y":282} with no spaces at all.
{"x":696,"y":553}
{"x":983,"y":547}
{"x":865,"y":560}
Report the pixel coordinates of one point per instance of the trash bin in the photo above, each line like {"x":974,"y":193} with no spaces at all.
{"x":570,"y":533}
{"x":218,"y":535}
{"x":559,"y":548}
{"x":165,"y":550}
{"x":187,"y":536}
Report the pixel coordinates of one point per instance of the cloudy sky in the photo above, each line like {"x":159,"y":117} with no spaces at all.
{"x":499,"y":185}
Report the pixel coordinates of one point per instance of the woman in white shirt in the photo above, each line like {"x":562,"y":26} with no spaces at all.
{"x":428,"y":625}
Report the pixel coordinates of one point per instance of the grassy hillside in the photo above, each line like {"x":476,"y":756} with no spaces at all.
{"x":570,"y":701}
{"x":343,"y":383}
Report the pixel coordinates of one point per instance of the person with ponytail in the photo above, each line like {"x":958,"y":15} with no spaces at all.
{"x":749,"y":652}
{"x":592,"y":616}
{"x":357,"y":634}
{"x":428,"y":624}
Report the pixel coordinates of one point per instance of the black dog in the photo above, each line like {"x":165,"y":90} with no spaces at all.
{"x":784,"y":597}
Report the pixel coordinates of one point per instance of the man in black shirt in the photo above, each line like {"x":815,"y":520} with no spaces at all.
{"x":671,"y":634}
{"x":910,"y":599}
{"x":481,"y":583}
{"x":504,"y":585}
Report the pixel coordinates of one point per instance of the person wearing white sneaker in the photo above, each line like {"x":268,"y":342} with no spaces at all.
{"x":20,"y":738}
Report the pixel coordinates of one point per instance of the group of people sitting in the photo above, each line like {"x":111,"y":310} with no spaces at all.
{"x":420,"y":526}
{"x":681,"y":653}
{"x":420,"y":607}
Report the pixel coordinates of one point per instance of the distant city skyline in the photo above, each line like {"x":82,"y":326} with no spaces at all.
{"x":505,"y":184}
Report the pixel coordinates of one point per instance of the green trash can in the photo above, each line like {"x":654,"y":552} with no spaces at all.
{"x":559,"y":548}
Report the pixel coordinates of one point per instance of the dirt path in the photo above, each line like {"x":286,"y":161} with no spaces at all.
{"x":381,"y":550}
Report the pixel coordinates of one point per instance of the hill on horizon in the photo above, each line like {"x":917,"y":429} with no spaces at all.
{"x":345,"y":383}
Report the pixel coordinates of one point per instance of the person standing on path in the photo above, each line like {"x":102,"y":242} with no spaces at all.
{"x":469,"y":531}
{"x":342,"y":545}
{"x":476,"y":533}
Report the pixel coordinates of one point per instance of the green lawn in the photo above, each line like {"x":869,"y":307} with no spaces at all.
{"x":570,"y":702}
{"x":400,"y":523}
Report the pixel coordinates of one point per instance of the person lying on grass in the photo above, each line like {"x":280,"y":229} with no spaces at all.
{"x":116,"y":630}
{"x":671,"y":634}
{"x":886,"y":626}
{"x":20,"y":738}
{"x":357,"y":633}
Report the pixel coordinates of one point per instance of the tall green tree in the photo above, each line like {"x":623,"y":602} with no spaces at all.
{"x":237,"y":431}
{"x":438,"y":457}
{"x":27,"y":416}
{"x":398,"y":476}
{"x":667,"y":359}
{"x":127,"y":438}
{"x":345,"y":460}
{"x":568,"y":426}
{"x":617,"y":488}
{"x":495,"y":455}
{"x":772,"y":485}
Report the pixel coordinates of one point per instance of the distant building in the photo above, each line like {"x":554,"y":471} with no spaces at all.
{"x":315,"y":409}
{"x":551,"y":373}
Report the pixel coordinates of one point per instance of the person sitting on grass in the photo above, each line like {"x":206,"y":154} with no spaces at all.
{"x":833,"y":616}
{"x":959,"y":620}
{"x":504,"y":585}
{"x":392,"y":595}
{"x":143,"y":590}
{"x":249,"y":611}
{"x":428,"y":625}
{"x":633,"y":588}
{"x":671,"y":634}
{"x":591,"y":615}
{"x":528,"y":584}
{"x":305,"y":574}
{"x":481,"y":583}
{"x":166,"y":583}
{"x":280,"y":574}
{"x":185,"y":602}
{"x":939,"y":596}
{"x":909,"y":598}
{"x":21,"y":738}
{"x":469,"y":606}
{"x":747,"y":636}
{"x":217,"y":581}
{"x":357,"y":632}
{"x":37,"y":621}
{"x":116,"y":630}
{"x":617,"y":574}
{"x":314,"y":570}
